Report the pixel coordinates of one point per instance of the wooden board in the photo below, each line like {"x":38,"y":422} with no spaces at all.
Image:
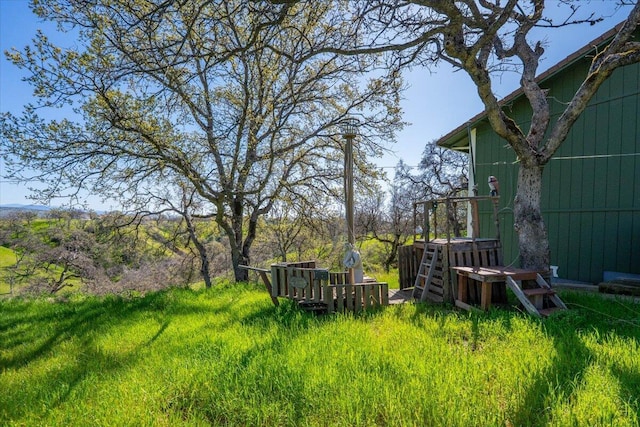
{"x":620,"y":287}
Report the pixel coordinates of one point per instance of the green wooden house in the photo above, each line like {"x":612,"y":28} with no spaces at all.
{"x":591,"y":193}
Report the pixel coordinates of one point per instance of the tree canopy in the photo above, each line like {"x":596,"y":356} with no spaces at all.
{"x":241,"y":100}
{"x":198,"y":92}
{"x":485,"y":38}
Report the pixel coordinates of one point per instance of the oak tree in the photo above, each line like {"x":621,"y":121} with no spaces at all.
{"x":206,"y":91}
{"x":484,"y":38}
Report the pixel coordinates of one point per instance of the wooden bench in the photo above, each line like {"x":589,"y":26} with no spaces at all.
{"x":485,"y":277}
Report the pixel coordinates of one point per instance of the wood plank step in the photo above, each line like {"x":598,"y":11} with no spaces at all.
{"x":547,"y":311}
{"x":538,"y":291}
{"x":620,"y":287}
{"x":436,"y":291}
{"x":467,"y":307}
{"x":434,"y":298}
{"x":531,"y":309}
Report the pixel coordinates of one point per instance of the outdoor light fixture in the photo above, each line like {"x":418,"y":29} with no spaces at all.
{"x":349,"y":128}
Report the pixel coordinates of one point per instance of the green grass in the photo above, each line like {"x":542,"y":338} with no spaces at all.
{"x":391,"y":278}
{"x":227,"y":356}
{"x":7,"y":259}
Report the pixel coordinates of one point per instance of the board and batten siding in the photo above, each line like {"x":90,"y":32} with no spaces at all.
{"x":591,"y":187}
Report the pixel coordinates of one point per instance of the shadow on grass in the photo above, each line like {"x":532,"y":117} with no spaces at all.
{"x":31,"y":330}
{"x":560,"y":381}
{"x":572,"y":357}
{"x":66,"y":334}
{"x":629,"y":380}
{"x":557,"y":383}
{"x":160,"y":331}
{"x":53,"y":323}
{"x":49,"y":325}
{"x":40,"y":334}
{"x":56,"y":346}
{"x":239,"y":393}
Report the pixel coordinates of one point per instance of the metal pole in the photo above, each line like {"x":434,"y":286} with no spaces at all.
{"x":348,"y":190}
{"x":349,"y":130}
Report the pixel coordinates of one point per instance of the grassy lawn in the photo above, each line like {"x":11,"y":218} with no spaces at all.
{"x":227,"y":356}
{"x":391,"y":278}
{"x":7,"y":259}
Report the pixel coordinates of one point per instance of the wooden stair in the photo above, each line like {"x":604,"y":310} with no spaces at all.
{"x":539,"y":300}
{"x":429,"y":272}
{"x":548,"y":311}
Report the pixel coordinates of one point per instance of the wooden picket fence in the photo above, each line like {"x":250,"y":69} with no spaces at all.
{"x":319,"y":289}
{"x":355,"y":297}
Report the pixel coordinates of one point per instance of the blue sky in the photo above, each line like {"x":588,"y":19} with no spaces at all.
{"x":436,"y":102}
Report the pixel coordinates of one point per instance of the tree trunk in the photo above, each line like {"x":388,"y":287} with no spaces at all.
{"x":204,"y":265}
{"x":528,"y":223}
{"x":202,"y":251}
{"x":452,"y":217}
{"x":239,"y":250}
{"x":393,"y":255}
{"x":238,"y":259}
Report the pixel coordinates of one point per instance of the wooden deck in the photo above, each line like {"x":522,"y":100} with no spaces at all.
{"x":400,"y":296}
{"x":426,"y":266}
{"x":420,"y":243}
